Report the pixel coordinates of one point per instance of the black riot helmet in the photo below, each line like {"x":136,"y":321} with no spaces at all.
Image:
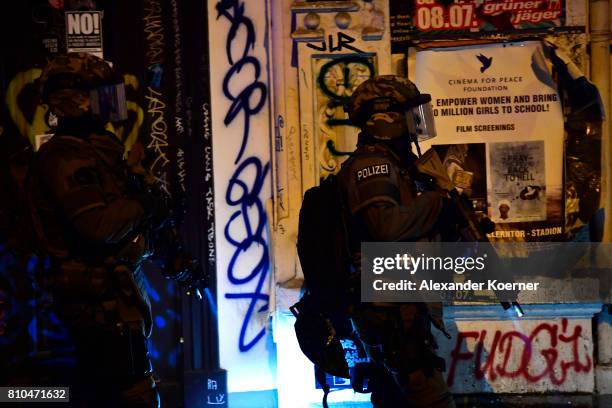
{"x":78,"y":85}
{"x":389,"y":107}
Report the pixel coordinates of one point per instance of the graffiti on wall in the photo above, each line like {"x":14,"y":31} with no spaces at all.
{"x":158,"y":145}
{"x":336,"y":79}
{"x":245,"y":89}
{"x":341,"y":42}
{"x":29,"y":118}
{"x":335,"y":49}
{"x":552,"y":352}
{"x":179,"y":109}
{"x":33,"y":119}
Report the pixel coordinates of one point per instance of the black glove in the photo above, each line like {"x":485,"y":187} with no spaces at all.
{"x":179,"y":266}
{"x":186,"y":271}
{"x":452,"y":222}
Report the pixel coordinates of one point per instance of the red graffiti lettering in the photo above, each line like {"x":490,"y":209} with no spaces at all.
{"x":513,"y":354}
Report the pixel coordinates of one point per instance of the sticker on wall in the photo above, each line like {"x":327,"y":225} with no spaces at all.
{"x":84,"y":32}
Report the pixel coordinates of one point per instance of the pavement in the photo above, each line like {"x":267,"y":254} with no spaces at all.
{"x":514,"y":401}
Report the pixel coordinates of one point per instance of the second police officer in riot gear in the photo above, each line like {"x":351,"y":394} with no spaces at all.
{"x":384,"y":204}
{"x":94,"y":225}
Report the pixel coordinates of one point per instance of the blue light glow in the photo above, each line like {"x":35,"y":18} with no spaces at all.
{"x":160,"y":322}
{"x":211,"y":302}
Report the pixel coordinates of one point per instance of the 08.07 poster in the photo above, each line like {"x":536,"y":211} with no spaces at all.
{"x":443,"y":19}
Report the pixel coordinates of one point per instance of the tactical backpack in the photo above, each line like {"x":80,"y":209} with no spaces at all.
{"x":322,"y":245}
{"x":322,"y":248}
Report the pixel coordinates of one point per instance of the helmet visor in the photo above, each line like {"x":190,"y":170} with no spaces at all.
{"x":420,"y":121}
{"x":108,"y":103}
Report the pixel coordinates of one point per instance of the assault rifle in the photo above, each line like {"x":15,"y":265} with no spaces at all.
{"x":169,"y":252}
{"x":430,"y":165}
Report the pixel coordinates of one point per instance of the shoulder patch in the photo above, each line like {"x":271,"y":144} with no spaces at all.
{"x":383,"y":169}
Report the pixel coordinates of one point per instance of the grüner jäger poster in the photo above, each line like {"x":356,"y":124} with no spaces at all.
{"x":502,"y":96}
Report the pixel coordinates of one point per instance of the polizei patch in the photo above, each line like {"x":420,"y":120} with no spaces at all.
{"x":374,"y":170}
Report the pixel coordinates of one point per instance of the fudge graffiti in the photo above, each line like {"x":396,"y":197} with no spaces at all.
{"x":507,"y":349}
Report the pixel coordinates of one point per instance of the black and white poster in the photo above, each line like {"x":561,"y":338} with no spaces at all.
{"x":518,"y":181}
{"x":84,"y":32}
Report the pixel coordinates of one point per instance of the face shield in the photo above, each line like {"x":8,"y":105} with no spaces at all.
{"x":420,"y":121}
{"x":108,"y":103}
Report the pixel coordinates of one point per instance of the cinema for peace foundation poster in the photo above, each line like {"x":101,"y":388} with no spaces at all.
{"x":500,"y":133}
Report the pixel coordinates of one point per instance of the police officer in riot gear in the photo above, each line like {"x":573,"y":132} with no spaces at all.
{"x":93,"y":225}
{"x":385,"y":203}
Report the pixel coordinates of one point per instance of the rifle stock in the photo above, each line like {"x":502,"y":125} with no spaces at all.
{"x":172,"y":257}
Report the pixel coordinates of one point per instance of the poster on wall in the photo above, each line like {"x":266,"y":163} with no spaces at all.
{"x":84,"y":32}
{"x":500,"y":125}
{"x":517,"y":181}
{"x":436,"y":19}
